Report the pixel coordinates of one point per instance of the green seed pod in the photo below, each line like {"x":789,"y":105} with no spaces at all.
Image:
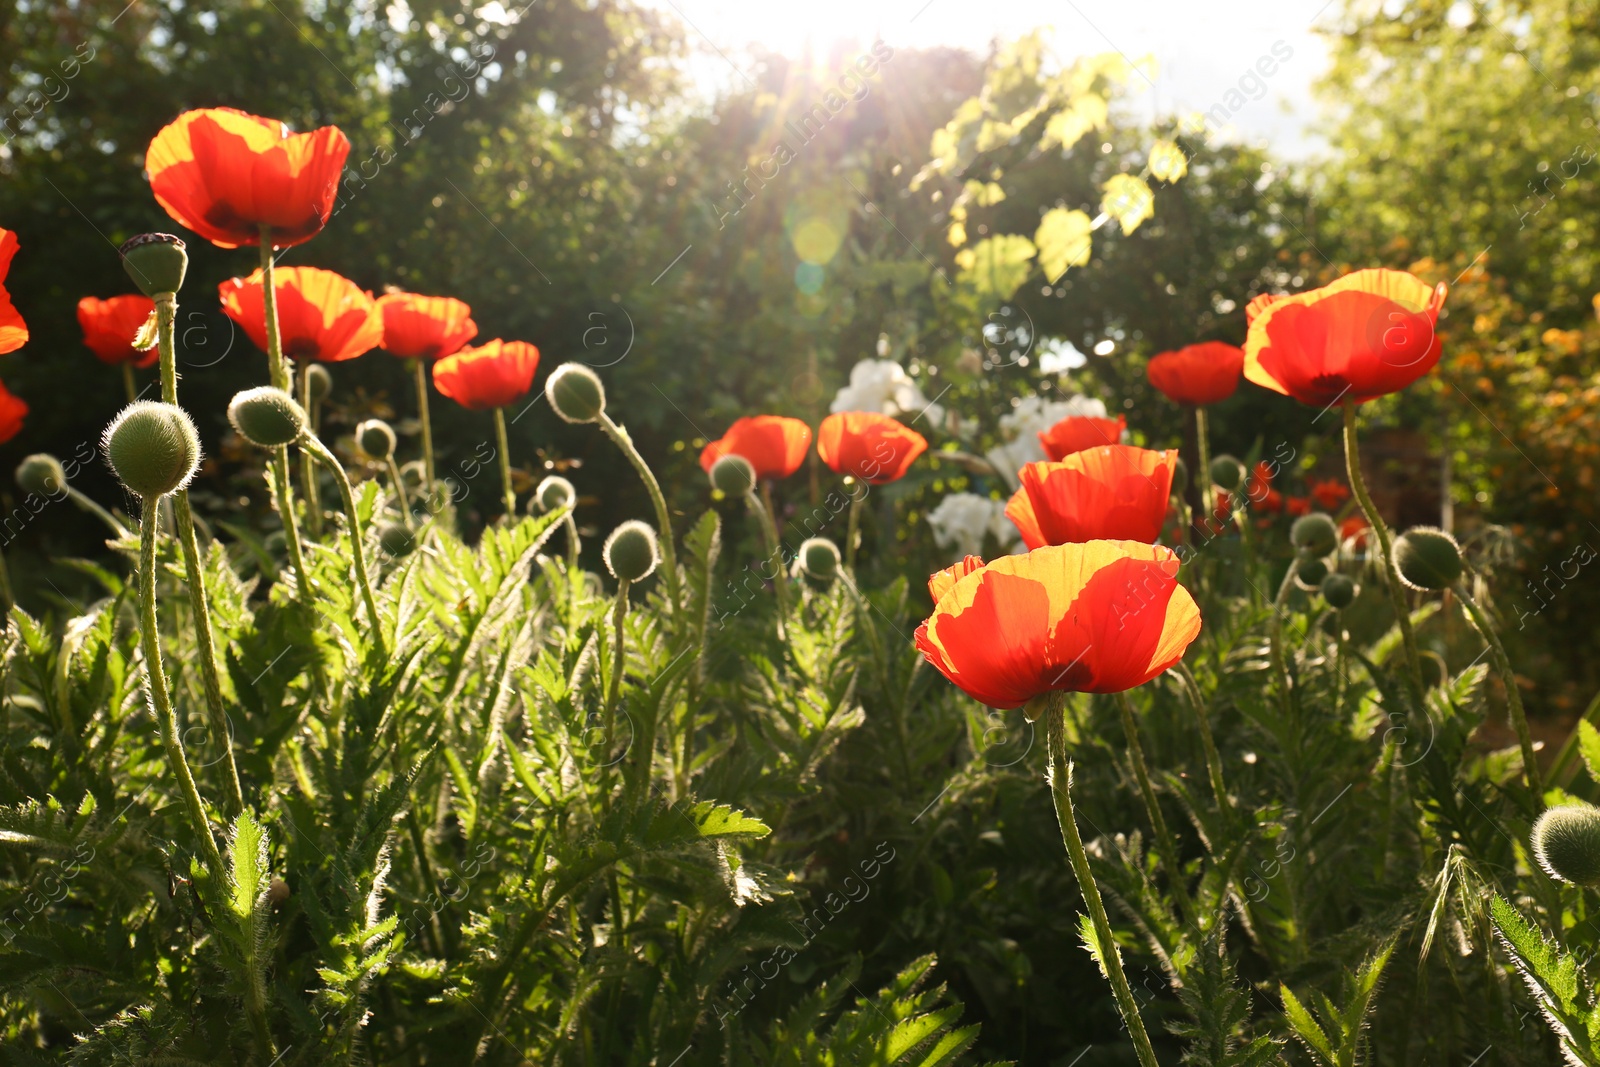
{"x":1566,"y":842}
{"x":1309,"y":573}
{"x":41,"y":475}
{"x":1227,"y":472}
{"x":153,"y":448}
{"x":1427,"y":558}
{"x":319,"y":383}
{"x":553,"y":493}
{"x":632,"y":552}
{"x":1180,"y":478}
{"x":575,"y":393}
{"x":819,"y":560}
{"x":267,"y":417}
{"x":733,"y":475}
{"x":395,"y":539}
{"x":1314,"y":535}
{"x":376,"y":438}
{"x":156,"y":262}
{"x":1339,"y":591}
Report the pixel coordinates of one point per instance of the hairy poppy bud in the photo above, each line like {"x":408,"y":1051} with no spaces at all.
{"x":733,"y":475}
{"x":1566,"y":842}
{"x":819,"y":560}
{"x":1309,"y":573}
{"x":153,"y":448}
{"x":376,"y":438}
{"x":553,"y":493}
{"x":1314,"y":535}
{"x":267,"y":417}
{"x":1339,"y":591}
{"x":1427,"y":558}
{"x":1227,"y":472}
{"x":575,"y":393}
{"x":156,"y":262}
{"x":41,"y":475}
{"x":632,"y":552}
{"x":395,"y":539}
{"x":319,"y":383}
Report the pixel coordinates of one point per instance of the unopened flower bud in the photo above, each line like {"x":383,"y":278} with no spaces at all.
{"x":376,"y":438}
{"x":818,"y":560}
{"x":632,"y":551}
{"x":41,"y":475}
{"x":1314,"y":535}
{"x":733,"y":475}
{"x":156,"y":262}
{"x":575,"y":393}
{"x":267,"y":417}
{"x":554,"y":493}
{"x":153,"y":448}
{"x":1339,"y":591}
{"x":1566,"y":842}
{"x":395,"y":539}
{"x":1309,"y":573}
{"x":1227,"y":472}
{"x":319,"y":383}
{"x":1427,"y":558}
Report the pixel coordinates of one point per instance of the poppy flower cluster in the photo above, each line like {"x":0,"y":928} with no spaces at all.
{"x":865,"y":445}
{"x":1111,"y":492}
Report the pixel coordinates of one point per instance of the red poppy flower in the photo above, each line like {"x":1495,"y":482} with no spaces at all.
{"x":322,"y":316}
{"x":1258,"y":304}
{"x":1329,"y":494}
{"x":775,"y":445}
{"x":1299,"y":505}
{"x":489,"y":376}
{"x":13,"y":331}
{"x":424,"y":327}
{"x":868,"y":446}
{"x":109,"y":327}
{"x":224,"y":174}
{"x":1100,"y":617}
{"x":1078,"y":432}
{"x":1368,"y":334}
{"x":1355,"y":526}
{"x":940,"y":582}
{"x":12,"y":411}
{"x":1112,"y":492}
{"x":1206,"y":373}
{"x":1259,"y":489}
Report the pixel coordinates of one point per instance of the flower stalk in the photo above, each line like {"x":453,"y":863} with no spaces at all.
{"x":669,"y":554}
{"x":308,"y":465}
{"x":280,"y":456}
{"x":504,"y":451}
{"x":358,"y":552}
{"x":1502,"y":664}
{"x":420,"y":374}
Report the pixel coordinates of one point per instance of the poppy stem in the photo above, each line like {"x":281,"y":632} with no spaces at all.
{"x":1165,"y":845}
{"x":1397,"y":594}
{"x":269,"y":308}
{"x":400,"y":491}
{"x":308,"y":468}
{"x":358,"y":552}
{"x":1208,"y":742}
{"x":128,"y":384}
{"x":280,"y":455}
{"x":1203,"y":446}
{"x":193,"y":573}
{"x":853,"y":532}
{"x":505,"y":465}
{"x":761,"y":508}
{"x":619,"y":616}
{"x":1060,"y":778}
{"x":420,"y":373}
{"x":1280,"y":664}
{"x":87,"y":503}
{"x":1508,"y":677}
{"x":669,"y":553}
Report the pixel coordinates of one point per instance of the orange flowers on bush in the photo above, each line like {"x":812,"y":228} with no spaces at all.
{"x":13,"y":331}
{"x":322,"y":316}
{"x":775,"y":445}
{"x":1356,"y":526}
{"x":1112,"y":492}
{"x":868,"y":446}
{"x":109,"y":327}
{"x":489,"y":376}
{"x":1078,"y":432}
{"x":1206,"y":373}
{"x":13,"y":411}
{"x":225,"y":174}
{"x":1100,"y":617}
{"x":1368,"y":334}
{"x":1329,"y":494}
{"x":1259,"y":489}
{"x":424,"y":327}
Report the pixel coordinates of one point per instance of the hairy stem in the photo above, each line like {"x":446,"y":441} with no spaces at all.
{"x":308,"y":465}
{"x":1166,"y":847}
{"x":400,"y":490}
{"x":1208,"y":742}
{"x":1203,"y":447}
{"x":853,"y":532}
{"x":88,"y":504}
{"x":358,"y":552}
{"x":1508,"y":677}
{"x":505,"y":465}
{"x":669,"y":553}
{"x":769,"y":534}
{"x":420,"y":373}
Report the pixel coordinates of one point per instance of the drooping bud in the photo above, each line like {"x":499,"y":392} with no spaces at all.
{"x":376,"y":438}
{"x":1309,"y":573}
{"x":319,"y":383}
{"x":1227,"y":472}
{"x":632,"y":551}
{"x":575,"y":393}
{"x":733,"y":475}
{"x":1566,"y":842}
{"x":553,"y":493}
{"x":1339,"y":591}
{"x":41,"y":475}
{"x":395,"y":539}
{"x":1314,"y":535}
{"x":1427,"y":558}
{"x":156,"y":262}
{"x":153,"y":448}
{"x":818,"y":560}
{"x":267,"y":417}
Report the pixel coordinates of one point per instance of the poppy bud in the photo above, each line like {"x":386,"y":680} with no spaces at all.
{"x":1314,"y":535}
{"x":1180,"y":478}
{"x":819,"y":560}
{"x":632,"y":552}
{"x":156,"y":262}
{"x":277,"y":890}
{"x":41,"y":475}
{"x":1339,"y":591}
{"x":554,"y":492}
{"x":1566,"y":842}
{"x":376,"y":438}
{"x":575,"y":393}
{"x":733,"y":475}
{"x":319,"y":383}
{"x":267,"y":417}
{"x":1427,"y":558}
{"x":152,"y":447}
{"x":1227,"y":472}
{"x":1309,"y":573}
{"x":395,"y":539}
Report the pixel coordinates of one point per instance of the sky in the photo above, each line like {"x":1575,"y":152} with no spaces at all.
{"x":1201,"y":48}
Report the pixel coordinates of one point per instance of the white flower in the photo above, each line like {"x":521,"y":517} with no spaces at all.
{"x":961,"y":520}
{"x":1022,"y":425}
{"x":883,"y":386}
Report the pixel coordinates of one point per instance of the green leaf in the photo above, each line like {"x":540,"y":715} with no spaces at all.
{"x":1306,"y":1028}
{"x":1589,"y":747}
{"x":1128,"y":199}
